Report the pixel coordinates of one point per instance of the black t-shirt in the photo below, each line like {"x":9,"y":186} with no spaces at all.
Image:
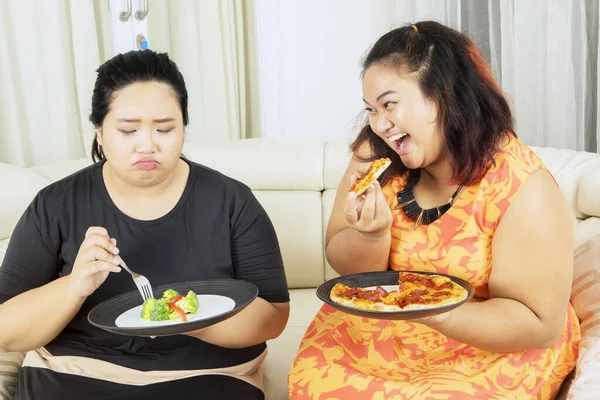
{"x":217,"y":230}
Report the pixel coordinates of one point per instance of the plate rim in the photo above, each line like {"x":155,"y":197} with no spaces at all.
{"x":147,"y":330}
{"x":465,"y":284}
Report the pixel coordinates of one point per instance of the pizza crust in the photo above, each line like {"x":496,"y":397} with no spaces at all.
{"x":375,"y":171}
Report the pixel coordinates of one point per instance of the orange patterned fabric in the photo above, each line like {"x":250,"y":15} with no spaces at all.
{"x":347,"y":357}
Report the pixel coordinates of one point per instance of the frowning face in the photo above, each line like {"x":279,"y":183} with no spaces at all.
{"x":142,"y":134}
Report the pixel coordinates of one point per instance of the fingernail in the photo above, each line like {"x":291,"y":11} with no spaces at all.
{"x":116,"y":269}
{"x":115,"y":261}
{"x":352,"y":195}
{"x":115,"y":250}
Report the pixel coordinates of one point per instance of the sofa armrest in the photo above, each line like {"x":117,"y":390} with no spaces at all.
{"x":588,"y":199}
{"x":10,"y":363}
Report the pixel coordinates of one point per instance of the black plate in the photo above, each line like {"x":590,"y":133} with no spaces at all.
{"x":368,"y":279}
{"x":105,"y":314}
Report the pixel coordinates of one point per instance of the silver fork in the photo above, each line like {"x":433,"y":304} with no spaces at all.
{"x":142,"y":283}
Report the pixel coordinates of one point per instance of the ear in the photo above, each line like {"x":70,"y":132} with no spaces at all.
{"x":99,"y":136}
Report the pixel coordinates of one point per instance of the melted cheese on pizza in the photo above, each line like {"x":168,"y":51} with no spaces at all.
{"x":374,"y":172}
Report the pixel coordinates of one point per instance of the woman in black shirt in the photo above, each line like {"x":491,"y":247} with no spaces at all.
{"x":172,"y":220}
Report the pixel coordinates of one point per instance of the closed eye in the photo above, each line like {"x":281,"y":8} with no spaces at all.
{"x":164,"y":130}
{"x":126,"y":132}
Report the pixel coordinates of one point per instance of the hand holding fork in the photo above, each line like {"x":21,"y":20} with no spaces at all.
{"x":97,"y":257}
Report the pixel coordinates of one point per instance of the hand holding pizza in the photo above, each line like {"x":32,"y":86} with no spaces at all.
{"x":368,"y":213}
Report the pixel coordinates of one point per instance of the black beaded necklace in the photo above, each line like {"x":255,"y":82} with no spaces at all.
{"x":408,"y":203}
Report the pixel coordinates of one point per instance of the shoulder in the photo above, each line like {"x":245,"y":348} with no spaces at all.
{"x":69,"y":188}
{"x":517,"y":172}
{"x":211,"y":181}
{"x":540,"y":209}
{"x":515,"y":158}
{"x":514,"y":164}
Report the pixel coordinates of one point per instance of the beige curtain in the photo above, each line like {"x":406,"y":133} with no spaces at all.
{"x":212,"y":42}
{"x":49,"y":51}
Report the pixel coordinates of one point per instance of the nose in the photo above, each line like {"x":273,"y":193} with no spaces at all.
{"x":383,"y":123}
{"x":146,"y":143}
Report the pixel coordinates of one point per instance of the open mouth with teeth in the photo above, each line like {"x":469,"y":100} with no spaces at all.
{"x":401,"y":142}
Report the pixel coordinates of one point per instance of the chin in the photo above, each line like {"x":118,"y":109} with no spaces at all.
{"x":410,"y":162}
{"x":146,"y":179}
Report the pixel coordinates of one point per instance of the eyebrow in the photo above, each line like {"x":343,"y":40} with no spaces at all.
{"x":160,"y":120}
{"x":382,"y":95}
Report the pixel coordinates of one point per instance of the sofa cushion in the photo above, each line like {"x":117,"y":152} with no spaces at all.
{"x":19,"y":187}
{"x":337,"y":157}
{"x":304,"y":305}
{"x":57,"y":171}
{"x":328,"y":200}
{"x":269,"y":164}
{"x":297,"y":219}
{"x":587,"y":229}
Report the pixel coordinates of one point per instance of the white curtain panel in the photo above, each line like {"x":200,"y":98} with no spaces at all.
{"x":49,"y":51}
{"x":543,"y":53}
{"x":209,"y":39}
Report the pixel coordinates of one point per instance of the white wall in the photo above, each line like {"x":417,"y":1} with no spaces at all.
{"x":309,"y":62}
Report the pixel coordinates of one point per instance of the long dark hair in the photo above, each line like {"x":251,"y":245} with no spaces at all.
{"x":473,"y":114}
{"x":126,"y":69}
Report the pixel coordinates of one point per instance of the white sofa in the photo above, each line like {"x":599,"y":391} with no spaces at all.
{"x":296,"y":181}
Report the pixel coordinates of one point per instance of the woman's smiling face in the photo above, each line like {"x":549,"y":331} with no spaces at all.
{"x":400,"y":114}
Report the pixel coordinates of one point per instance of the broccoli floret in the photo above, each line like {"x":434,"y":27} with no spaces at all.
{"x":189,"y":303}
{"x":155,"y":310}
{"x":169,"y":293}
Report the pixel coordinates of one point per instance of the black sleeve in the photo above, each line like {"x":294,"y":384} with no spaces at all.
{"x":255,"y":249}
{"x":30,"y":261}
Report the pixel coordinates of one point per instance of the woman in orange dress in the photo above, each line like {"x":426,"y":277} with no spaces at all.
{"x":464,"y":197}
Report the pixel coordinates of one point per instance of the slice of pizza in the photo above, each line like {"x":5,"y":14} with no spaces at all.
{"x":377,"y":299}
{"x":420,"y":291}
{"x":371,"y":176}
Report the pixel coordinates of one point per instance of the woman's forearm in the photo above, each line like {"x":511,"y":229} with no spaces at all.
{"x":350,"y":252}
{"x":258,"y":322}
{"x":496,"y":325}
{"x":34,"y":318}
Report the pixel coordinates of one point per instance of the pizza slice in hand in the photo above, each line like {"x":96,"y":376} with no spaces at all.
{"x":371,"y":176}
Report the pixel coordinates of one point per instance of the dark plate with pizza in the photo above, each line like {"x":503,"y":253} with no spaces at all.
{"x":396,"y":295}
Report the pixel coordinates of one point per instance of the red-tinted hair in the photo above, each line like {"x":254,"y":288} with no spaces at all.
{"x":473,"y":114}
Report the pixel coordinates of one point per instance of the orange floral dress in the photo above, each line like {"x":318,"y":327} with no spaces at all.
{"x":346,"y":357}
